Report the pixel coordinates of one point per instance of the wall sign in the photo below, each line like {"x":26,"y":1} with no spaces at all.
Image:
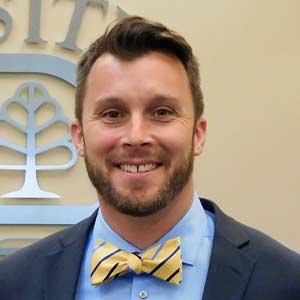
{"x":54,"y":66}
{"x":31,"y":187}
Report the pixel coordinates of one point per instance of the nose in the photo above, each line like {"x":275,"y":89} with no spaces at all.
{"x":137,"y":132}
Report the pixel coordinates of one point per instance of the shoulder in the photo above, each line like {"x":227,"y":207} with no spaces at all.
{"x":25,"y":257}
{"x":277,"y":268}
{"x":269,"y":253}
{"x":253,"y":241}
{"x":274,"y":266}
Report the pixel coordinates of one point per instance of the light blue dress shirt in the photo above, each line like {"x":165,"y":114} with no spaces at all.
{"x":196,"y":230}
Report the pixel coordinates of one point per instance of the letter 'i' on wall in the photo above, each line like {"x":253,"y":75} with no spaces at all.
{"x":33,"y":97}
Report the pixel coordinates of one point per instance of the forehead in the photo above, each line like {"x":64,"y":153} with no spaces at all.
{"x":152,"y":74}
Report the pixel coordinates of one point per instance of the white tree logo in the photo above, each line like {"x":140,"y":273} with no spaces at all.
{"x":31,"y":105}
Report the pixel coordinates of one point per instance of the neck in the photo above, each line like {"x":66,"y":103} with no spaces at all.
{"x":143,"y":232}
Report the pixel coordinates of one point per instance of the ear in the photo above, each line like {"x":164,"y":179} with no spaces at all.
{"x":77,"y":137}
{"x":199,"y":135}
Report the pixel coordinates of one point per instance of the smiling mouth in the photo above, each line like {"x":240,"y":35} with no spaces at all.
{"x":138,"y":168}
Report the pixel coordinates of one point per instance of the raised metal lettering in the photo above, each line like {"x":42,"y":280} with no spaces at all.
{"x":8,"y":22}
{"x":80,"y":6}
{"x":121,"y":13}
{"x":35,"y":23}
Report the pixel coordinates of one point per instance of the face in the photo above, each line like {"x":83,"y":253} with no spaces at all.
{"x":139,"y":135}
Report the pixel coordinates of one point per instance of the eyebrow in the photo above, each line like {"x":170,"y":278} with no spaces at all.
{"x":165,"y":98}
{"x":109,"y":101}
{"x":153,"y":101}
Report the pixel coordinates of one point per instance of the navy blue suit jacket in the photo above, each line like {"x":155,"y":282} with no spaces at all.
{"x":245,"y":265}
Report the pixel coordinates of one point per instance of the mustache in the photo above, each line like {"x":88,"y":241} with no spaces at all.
{"x":137,"y":153}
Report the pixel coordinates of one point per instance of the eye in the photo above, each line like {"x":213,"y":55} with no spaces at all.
{"x":112,"y":116}
{"x":163,"y":112}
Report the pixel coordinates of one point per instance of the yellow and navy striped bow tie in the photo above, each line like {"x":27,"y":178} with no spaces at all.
{"x":163,"y":262}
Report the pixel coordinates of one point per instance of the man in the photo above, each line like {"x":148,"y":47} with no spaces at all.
{"x":139,"y":125}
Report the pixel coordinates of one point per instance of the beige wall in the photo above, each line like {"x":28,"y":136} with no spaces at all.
{"x":250,"y":62}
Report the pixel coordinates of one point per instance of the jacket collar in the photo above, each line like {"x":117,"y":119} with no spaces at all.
{"x":63,"y":261}
{"x":230,"y":268}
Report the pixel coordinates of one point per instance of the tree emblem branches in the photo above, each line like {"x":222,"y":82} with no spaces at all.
{"x":31,"y":105}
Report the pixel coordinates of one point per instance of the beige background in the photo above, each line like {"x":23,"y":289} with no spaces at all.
{"x":250,"y":62}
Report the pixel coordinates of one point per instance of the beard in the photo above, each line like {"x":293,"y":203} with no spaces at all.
{"x":134,"y":205}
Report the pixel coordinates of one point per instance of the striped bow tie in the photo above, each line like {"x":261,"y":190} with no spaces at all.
{"x":163,"y":262}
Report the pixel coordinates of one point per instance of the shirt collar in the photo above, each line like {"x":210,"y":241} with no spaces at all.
{"x":191,"y":229}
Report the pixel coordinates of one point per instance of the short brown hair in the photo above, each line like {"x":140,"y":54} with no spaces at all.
{"x":133,"y":37}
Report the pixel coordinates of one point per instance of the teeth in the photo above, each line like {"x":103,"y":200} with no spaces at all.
{"x":140,"y":168}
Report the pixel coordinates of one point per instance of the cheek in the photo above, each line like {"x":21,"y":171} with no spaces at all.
{"x":99,"y":140}
{"x":176,"y":141}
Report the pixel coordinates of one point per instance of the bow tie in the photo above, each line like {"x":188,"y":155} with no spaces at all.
{"x":163,"y":262}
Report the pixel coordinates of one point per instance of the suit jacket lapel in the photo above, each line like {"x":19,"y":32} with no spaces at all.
{"x":63,"y":262}
{"x":230,"y":268}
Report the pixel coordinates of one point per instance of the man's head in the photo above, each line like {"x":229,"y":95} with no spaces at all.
{"x":134,"y":37}
{"x":139,"y":125}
